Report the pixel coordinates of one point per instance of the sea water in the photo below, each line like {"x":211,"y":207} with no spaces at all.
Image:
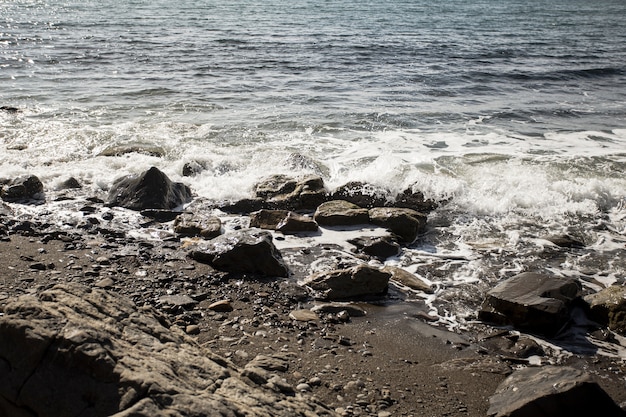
{"x":513,"y":112}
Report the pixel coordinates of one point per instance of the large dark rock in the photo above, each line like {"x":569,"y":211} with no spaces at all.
{"x":284,"y":221}
{"x":362,"y":194}
{"x":340,"y":213}
{"x":538,"y":302}
{"x":403,"y":222}
{"x":243,"y":251}
{"x":551,"y":392}
{"x":380,"y":247}
{"x":287,"y":193}
{"x":150,"y":190}
{"x":72,"y":351}
{"x":22,"y":189}
{"x":342,"y":284}
{"x":414,"y":200}
{"x":608,"y":307}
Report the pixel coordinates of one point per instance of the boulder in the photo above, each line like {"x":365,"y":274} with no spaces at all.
{"x":380,"y":247}
{"x":608,"y":307}
{"x":284,"y":192}
{"x":403,"y":222}
{"x":358,"y":281}
{"x":243,"y":251}
{"x":414,"y":200}
{"x":141,"y":148}
{"x":362,"y":194}
{"x":340,"y":213}
{"x":267,"y":219}
{"x":551,"y":391}
{"x":73,"y":351}
{"x":193,"y":225}
{"x":70,"y":183}
{"x":533,"y":301}
{"x":22,"y":189}
{"x":406,"y":278}
{"x":150,"y":190}
{"x":296,"y":223}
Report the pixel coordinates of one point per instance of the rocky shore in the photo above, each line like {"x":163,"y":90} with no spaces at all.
{"x":146,"y":301}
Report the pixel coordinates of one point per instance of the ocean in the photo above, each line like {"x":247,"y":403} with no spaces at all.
{"x":511,"y":111}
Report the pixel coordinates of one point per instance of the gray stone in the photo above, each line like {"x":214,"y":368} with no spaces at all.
{"x":140,"y":148}
{"x":361,"y":280}
{"x":296,"y":223}
{"x":178,"y":300}
{"x":403,"y":222}
{"x":406,"y":278}
{"x":380,"y":247}
{"x":362,"y":194}
{"x":303,"y":315}
{"x":193,"y":225}
{"x":150,"y":190}
{"x":267,"y":219}
{"x":532,"y":301}
{"x":551,"y":391}
{"x":22,"y":189}
{"x":292,"y":194}
{"x":340,"y":213}
{"x":608,"y":307}
{"x":72,"y":351}
{"x":244,"y":251}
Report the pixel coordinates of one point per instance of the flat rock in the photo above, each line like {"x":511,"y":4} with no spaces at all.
{"x":141,"y":148}
{"x":296,"y":223}
{"x":608,"y":307}
{"x":114,"y":360}
{"x":380,"y":247}
{"x":178,"y":300}
{"x":358,"y":281}
{"x":303,"y":315}
{"x":340,"y":213}
{"x":284,"y":192}
{"x":403,"y":222}
{"x":532,"y":301}
{"x":242,"y":251}
{"x":408,"y":279}
{"x":194,"y":225}
{"x":551,"y":391}
{"x":267,"y":219}
{"x":151,"y":189}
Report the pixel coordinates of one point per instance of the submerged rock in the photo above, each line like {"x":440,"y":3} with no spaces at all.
{"x":380,"y":247}
{"x":340,"y":213}
{"x":361,"y":280}
{"x":74,"y":351}
{"x":141,"y":148}
{"x":362,"y":194}
{"x":608,"y":307}
{"x":151,"y":189}
{"x":532,"y":301}
{"x":408,"y":279}
{"x":551,"y":391}
{"x":22,"y":189}
{"x":243,"y":251}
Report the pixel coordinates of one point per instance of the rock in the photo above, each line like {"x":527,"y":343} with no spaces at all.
{"x":192,"y":329}
{"x":141,"y":148}
{"x":303,"y":315}
{"x":221,"y":306}
{"x":565,"y":241}
{"x":283,"y":192}
{"x":70,"y":183}
{"x":267,"y":219}
{"x":245,"y":251}
{"x":22,"y":190}
{"x":340,"y":213}
{"x":159,"y":215}
{"x":414,"y":200}
{"x":150,"y":190}
{"x":115,"y":360}
{"x":406,"y":278}
{"x":10,"y":109}
{"x":361,"y":280}
{"x":551,"y":391}
{"x":608,"y":307}
{"x":362,"y":194}
{"x":193,"y":168}
{"x":193,"y":225}
{"x":381,"y":247}
{"x":179,"y":300}
{"x":403,"y":222}
{"x":531,"y":301}
{"x":295,"y":223}
{"x":276,"y":362}
{"x":353,"y":310}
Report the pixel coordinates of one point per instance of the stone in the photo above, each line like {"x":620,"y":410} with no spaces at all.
{"x":22,"y":190}
{"x":193,"y":168}
{"x":340,"y":213}
{"x":151,"y":189}
{"x":194,"y":225}
{"x":353,"y":310}
{"x":178,"y":300}
{"x":408,"y":279}
{"x":296,"y":223}
{"x":242,"y":251}
{"x":358,"y":281}
{"x":303,"y":315}
{"x":286,"y":193}
{"x":403,"y":222}
{"x":362,"y":194}
{"x":221,"y":306}
{"x":75,"y":351}
{"x":414,"y":200}
{"x":70,"y":183}
{"x":141,"y":148}
{"x":534,"y":301}
{"x":608,"y":308}
{"x":380,"y":247}
{"x":267,"y":219}
{"x":565,"y":241}
{"x":551,"y":391}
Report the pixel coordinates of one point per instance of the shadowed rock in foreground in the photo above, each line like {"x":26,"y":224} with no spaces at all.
{"x":72,"y":351}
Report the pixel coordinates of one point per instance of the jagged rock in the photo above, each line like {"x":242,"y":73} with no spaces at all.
{"x":340,"y":213}
{"x":192,"y":225}
{"x":141,"y":148}
{"x":267,"y":219}
{"x":70,"y":183}
{"x":566,"y":241}
{"x":404,"y":277}
{"x":608,"y":307}
{"x":551,"y":391}
{"x":403,"y":222}
{"x":414,"y":200}
{"x":193,"y":168}
{"x":150,"y":190}
{"x":72,"y":351}
{"x":295,"y":223}
{"x":362,"y":194}
{"x":531,"y":301}
{"x":358,"y":281}
{"x":284,"y":192}
{"x":22,"y":189}
{"x":380,"y":247}
{"x":245,"y":251}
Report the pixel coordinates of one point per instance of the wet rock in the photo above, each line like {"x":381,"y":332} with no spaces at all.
{"x":141,"y":148}
{"x":193,"y":168}
{"x":115,"y":360}
{"x":249,"y":250}
{"x":158,"y":215}
{"x":353,"y":310}
{"x":408,"y":279}
{"x":283,"y":192}
{"x":414,"y":200}
{"x":267,"y":219}
{"x":178,"y":300}
{"x":361,"y":280}
{"x":340,"y":213}
{"x":10,"y":109}
{"x":566,"y":241}
{"x":381,"y":247}
{"x":150,"y":190}
{"x":70,"y":183}
{"x":532,"y":301}
{"x":362,"y":194}
{"x":295,"y":223}
{"x":403,"y":222}
{"x":22,"y":190}
{"x":551,"y":391}
{"x":608,"y":307}
{"x":193,"y":225}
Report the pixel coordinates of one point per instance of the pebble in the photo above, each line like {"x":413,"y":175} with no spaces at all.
{"x":192,"y":329}
{"x":303,"y":387}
